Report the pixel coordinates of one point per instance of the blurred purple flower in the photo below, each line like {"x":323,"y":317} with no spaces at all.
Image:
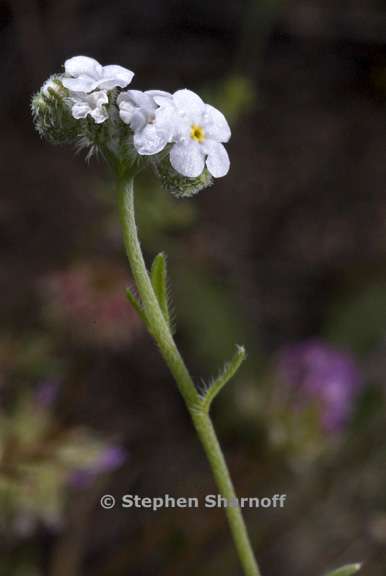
{"x":320,"y":374}
{"x":109,"y":460}
{"x":47,"y":393}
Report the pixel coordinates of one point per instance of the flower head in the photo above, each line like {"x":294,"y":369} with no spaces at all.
{"x":84,"y":74}
{"x":199,"y":133}
{"x":87,"y":107}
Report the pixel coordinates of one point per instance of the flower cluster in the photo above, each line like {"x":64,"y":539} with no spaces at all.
{"x":90,"y":104}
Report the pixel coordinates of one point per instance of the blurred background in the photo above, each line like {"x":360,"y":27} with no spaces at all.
{"x":286,"y":255}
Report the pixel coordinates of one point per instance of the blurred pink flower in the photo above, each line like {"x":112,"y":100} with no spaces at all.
{"x":89,"y":302}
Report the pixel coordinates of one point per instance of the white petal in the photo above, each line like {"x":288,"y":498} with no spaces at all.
{"x":97,"y":98}
{"x":81,"y":84}
{"x":110,"y":83}
{"x":187,"y":158}
{"x":138,"y":119}
{"x":80,"y":110}
{"x":160,"y":97}
{"x":149,"y":140}
{"x":101,"y":97}
{"x":135,"y":98}
{"x":81,"y":65}
{"x":216,"y":126}
{"x":99,"y":115}
{"x":189,"y":103}
{"x":126,"y":110}
{"x":165,"y":121}
{"x":121,"y":75}
{"x":93,"y":104}
{"x":141,"y":99}
{"x":218,"y":160}
{"x":160,"y":93}
{"x":124,"y":100}
{"x":136,"y":108}
{"x":122,"y":97}
{"x":125,"y":116}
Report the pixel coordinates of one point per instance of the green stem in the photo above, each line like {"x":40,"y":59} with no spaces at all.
{"x":213,"y":451}
{"x":160,"y":331}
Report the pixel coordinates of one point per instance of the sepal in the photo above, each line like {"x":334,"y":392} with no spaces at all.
{"x":178,"y":185}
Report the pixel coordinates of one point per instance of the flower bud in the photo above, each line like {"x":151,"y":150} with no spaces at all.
{"x":178,"y":185}
{"x":52,"y":115}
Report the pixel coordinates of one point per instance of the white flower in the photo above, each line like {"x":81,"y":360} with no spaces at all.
{"x":199,"y":131}
{"x":93,"y":104}
{"x":153,"y":126}
{"x":84,"y":74}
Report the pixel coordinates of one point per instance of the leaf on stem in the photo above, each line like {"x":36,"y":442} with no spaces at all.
{"x":135,"y":303}
{"x":347,"y":570}
{"x":227,"y":373}
{"x":160,"y":284}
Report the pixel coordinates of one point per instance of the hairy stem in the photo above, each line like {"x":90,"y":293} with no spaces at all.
{"x":159,"y":329}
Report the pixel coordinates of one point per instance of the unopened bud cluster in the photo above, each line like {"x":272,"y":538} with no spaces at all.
{"x":89,"y":106}
{"x":52,"y":117}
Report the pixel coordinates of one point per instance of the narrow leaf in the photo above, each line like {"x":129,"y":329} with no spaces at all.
{"x":159,"y":281}
{"x":135,"y":304}
{"x":227,"y":373}
{"x":347,"y":570}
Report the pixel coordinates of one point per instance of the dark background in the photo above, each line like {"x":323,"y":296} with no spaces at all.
{"x":289,"y":247}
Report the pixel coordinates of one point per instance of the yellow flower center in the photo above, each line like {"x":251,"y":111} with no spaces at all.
{"x":197,"y":133}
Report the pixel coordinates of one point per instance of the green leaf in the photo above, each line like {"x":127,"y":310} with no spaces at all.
{"x":159,"y":281}
{"x":227,"y":373}
{"x":135,"y":304}
{"x":347,"y":570}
